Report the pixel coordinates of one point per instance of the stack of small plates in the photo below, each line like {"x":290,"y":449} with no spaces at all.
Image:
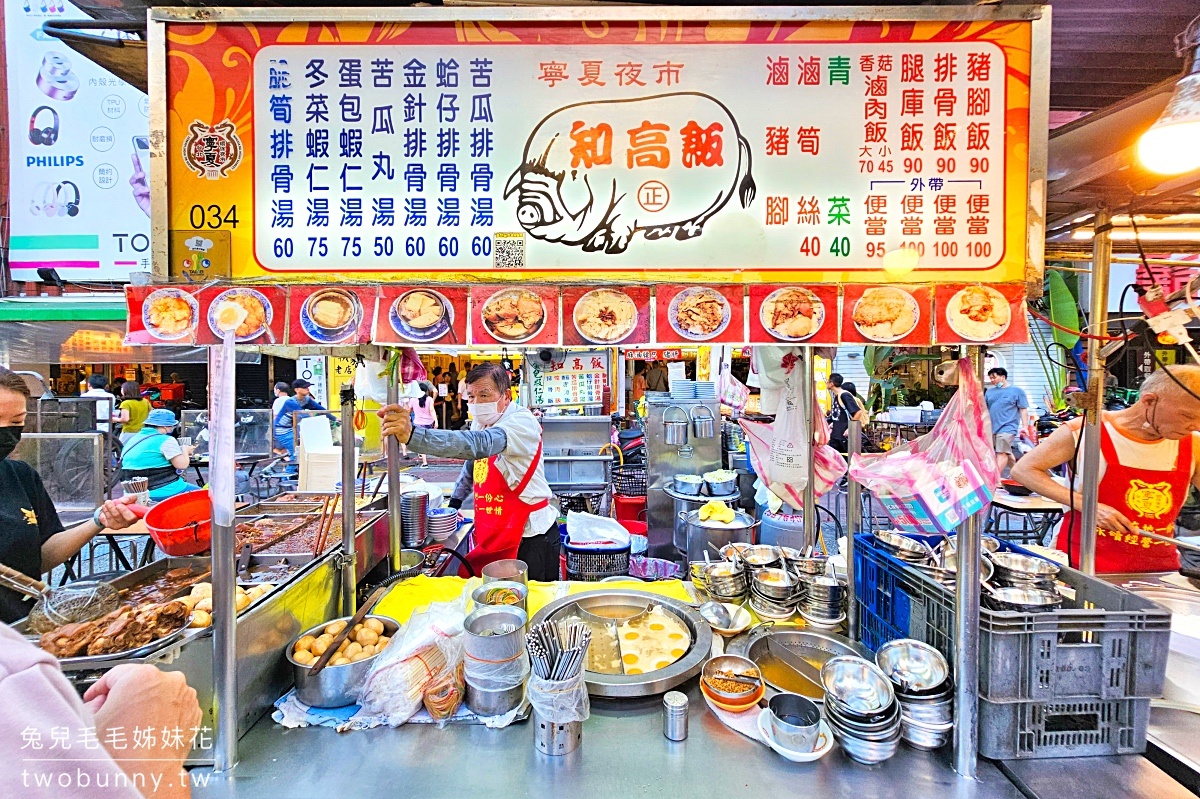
{"x":823,"y":604}
{"x":413,"y":506}
{"x":705,"y":391}
{"x":861,"y":708}
{"x":683,"y":389}
{"x":921,"y":680}
{"x":440,"y":523}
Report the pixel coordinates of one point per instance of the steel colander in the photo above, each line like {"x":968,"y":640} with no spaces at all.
{"x":78,"y":602}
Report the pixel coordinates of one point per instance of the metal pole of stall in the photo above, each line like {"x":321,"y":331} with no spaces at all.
{"x":221,"y":366}
{"x":392,"y":445}
{"x":807,"y":385}
{"x":349,"y":461}
{"x":1094,"y":398}
{"x":853,"y":525}
{"x":966,"y":633}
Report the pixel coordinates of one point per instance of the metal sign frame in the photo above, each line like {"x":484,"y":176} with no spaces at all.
{"x":1039,"y":70}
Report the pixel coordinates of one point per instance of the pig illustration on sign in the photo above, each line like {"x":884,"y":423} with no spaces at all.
{"x":596,"y":173}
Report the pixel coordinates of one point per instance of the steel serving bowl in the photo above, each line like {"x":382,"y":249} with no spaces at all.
{"x":649,"y":683}
{"x":735,"y":665}
{"x":334,"y":686}
{"x":1023,"y":600}
{"x":989,"y":542}
{"x":719,"y":488}
{"x":857,"y":686}
{"x":1024,"y":567}
{"x":901,"y":545}
{"x":772,"y":583}
{"x":688,"y":484}
{"x":760,"y":556}
{"x":498,"y":592}
{"x":912,"y":665}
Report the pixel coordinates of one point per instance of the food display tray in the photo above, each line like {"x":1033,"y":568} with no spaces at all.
{"x":1105,"y":644}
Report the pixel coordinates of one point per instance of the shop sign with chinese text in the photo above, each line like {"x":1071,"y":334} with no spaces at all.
{"x":589,"y":150}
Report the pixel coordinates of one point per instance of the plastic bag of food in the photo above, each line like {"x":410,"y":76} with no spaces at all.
{"x":427,"y":660}
{"x":934,"y":482}
{"x":559,"y":702}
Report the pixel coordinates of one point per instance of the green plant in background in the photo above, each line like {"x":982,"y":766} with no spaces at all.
{"x":1054,"y":345}
{"x":888,"y":389}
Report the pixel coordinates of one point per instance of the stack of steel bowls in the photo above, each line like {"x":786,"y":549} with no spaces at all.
{"x":920,"y":677}
{"x":440,"y":523}
{"x":773,"y":593}
{"x":906,"y":549}
{"x":413,"y":507}
{"x":861,"y":708}
{"x":1014,"y":570}
{"x":824,"y":602}
{"x":798,"y":564}
{"x":725,"y":581}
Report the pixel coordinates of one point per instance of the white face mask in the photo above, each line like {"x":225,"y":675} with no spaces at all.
{"x":486,"y":413}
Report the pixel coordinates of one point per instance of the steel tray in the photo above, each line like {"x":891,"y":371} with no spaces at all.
{"x":655,"y":682}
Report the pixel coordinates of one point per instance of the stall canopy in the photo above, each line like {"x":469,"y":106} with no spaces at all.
{"x":84,"y":330}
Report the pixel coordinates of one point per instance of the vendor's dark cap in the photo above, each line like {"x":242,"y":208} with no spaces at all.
{"x":301,"y":383}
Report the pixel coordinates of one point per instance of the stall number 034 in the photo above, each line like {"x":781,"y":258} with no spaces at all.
{"x":212,"y":216}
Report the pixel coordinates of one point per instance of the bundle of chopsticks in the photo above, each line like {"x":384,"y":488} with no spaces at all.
{"x":557,"y":650}
{"x":329,"y":507}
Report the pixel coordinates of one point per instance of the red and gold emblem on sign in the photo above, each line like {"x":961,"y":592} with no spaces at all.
{"x":1149,"y":499}
{"x":213,"y":151}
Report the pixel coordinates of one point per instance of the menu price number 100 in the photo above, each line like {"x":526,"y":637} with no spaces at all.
{"x":839,"y":246}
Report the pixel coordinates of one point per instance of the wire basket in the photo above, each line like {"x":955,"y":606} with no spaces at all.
{"x":580,"y":502}
{"x":593,"y":564}
{"x":629,"y":481}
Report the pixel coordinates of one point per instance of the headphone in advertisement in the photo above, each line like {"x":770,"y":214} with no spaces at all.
{"x":43,"y":136}
{"x":70,"y":207}
{"x":48,"y":199}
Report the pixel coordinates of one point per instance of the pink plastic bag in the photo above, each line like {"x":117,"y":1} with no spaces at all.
{"x":932,"y":483}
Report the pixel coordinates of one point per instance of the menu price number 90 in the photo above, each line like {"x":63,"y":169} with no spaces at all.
{"x":212,"y":217}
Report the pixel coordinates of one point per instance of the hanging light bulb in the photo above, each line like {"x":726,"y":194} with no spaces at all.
{"x":899,"y":262}
{"x":1171,"y":146}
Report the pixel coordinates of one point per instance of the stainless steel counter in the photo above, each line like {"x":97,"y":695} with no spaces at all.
{"x":624,"y":754}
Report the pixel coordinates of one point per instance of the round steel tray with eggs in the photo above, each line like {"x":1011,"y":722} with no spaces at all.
{"x":642,"y":643}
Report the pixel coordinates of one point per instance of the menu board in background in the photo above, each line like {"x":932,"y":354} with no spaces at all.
{"x":699,"y":314}
{"x":420,"y":315}
{"x":515,"y":314}
{"x":579,"y":378}
{"x":896,"y":314}
{"x":978,"y":314}
{"x":161,"y":314}
{"x":75,"y":132}
{"x":606,"y":315}
{"x":331,"y":314}
{"x":794,"y":314}
{"x":266,"y":316}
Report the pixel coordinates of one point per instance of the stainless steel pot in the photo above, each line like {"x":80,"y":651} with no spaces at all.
{"x":675,"y":431}
{"x":495,"y":632}
{"x":685,"y":503}
{"x":493,"y":703}
{"x":703,"y":426}
{"x":334,"y":686}
{"x":699,"y":535}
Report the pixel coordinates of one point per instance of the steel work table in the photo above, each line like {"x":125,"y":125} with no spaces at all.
{"x":624,"y":754}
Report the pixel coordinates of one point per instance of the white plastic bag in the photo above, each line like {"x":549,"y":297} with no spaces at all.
{"x":427,"y":659}
{"x":370,"y":382}
{"x":559,"y":702}
{"x":584,"y":529}
{"x":789,"y":447}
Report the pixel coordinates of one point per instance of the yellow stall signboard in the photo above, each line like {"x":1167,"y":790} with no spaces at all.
{"x":619,"y":145}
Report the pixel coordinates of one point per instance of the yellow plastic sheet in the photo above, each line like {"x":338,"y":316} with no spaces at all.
{"x":409,"y":596}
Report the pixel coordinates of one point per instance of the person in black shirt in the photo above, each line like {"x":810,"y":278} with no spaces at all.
{"x":845,"y":407}
{"x":32,"y":539}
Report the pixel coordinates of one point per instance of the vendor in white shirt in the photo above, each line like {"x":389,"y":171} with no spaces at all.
{"x":503,"y":454}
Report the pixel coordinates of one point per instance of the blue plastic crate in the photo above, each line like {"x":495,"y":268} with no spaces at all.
{"x":1108,"y":644}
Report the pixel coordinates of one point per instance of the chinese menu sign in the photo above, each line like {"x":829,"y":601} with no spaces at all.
{"x":587,"y":150}
{"x":578,"y":379}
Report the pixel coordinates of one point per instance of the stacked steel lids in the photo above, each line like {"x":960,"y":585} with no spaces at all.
{"x":413,"y":521}
{"x":920,"y":678}
{"x":861,"y":708}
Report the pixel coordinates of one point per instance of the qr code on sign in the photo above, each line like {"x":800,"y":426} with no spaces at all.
{"x":509,"y":251}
